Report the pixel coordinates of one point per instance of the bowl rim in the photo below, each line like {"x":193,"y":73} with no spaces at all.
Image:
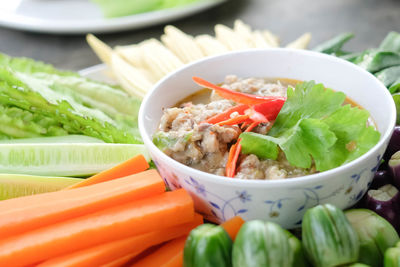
{"x":216,"y":179}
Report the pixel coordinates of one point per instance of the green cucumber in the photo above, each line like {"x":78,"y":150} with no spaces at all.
{"x":328,"y":237}
{"x":18,"y":185}
{"x":65,"y":159}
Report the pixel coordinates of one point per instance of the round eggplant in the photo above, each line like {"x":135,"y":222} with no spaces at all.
{"x":328,"y":237}
{"x":375,"y":234}
{"x":381,"y":178}
{"x":392,"y":257}
{"x":299,"y":257}
{"x":394,"y":165}
{"x":260,"y":243}
{"x":208,"y":245}
{"x":385,"y":202}
{"x":394,"y":144}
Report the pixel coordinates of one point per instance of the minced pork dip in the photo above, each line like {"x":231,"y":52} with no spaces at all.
{"x":204,"y":146}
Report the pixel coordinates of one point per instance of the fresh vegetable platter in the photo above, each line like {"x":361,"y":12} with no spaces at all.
{"x":78,"y":188}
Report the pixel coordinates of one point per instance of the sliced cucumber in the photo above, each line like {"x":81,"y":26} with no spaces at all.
{"x":65,"y":159}
{"x":18,"y":185}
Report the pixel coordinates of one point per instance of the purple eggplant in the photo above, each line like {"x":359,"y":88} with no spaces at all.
{"x":394,"y":165}
{"x":381,"y":178}
{"x":394,"y":144}
{"x":385,"y":202}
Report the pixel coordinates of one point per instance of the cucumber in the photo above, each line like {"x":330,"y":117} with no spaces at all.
{"x":65,"y":159}
{"x":18,"y":185}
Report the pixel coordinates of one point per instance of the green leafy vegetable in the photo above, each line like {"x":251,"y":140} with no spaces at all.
{"x":334,"y":45}
{"x":38,"y":100}
{"x":384,"y":61}
{"x":395,"y":87}
{"x":28,"y":65}
{"x":389,"y":76}
{"x":374,"y":61}
{"x":66,"y":139}
{"x":396,"y":98}
{"x":391,"y":42}
{"x":313,"y":125}
{"x":19,"y":123}
{"x":119,"y":8}
{"x":30,"y":93}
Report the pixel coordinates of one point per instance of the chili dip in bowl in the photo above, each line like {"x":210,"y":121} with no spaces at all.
{"x":270,"y":139}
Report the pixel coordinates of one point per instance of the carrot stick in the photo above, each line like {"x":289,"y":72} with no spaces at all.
{"x":232,"y":226}
{"x":131,"y":166}
{"x":176,"y":261}
{"x":134,"y":218}
{"x":124,"y":249}
{"x":115,"y":263}
{"x":163,"y":255}
{"x":234,"y":153}
{"x":23,"y":214}
{"x":230,"y":168}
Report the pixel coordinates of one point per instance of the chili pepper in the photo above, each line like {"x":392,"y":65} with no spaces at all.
{"x":270,"y":109}
{"x":238,"y":97}
{"x":236,"y":120}
{"x":226,"y":115}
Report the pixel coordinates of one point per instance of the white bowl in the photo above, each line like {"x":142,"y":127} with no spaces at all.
{"x":281,"y":201}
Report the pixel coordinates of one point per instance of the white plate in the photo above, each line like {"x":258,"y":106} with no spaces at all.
{"x":98,"y":72}
{"x":83,"y":16}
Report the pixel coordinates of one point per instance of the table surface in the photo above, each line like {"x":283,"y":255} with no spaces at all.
{"x":370,"y":20}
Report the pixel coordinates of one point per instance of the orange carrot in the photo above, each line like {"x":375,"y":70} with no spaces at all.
{"x":230,"y":168}
{"x":134,"y":218}
{"x":131,"y":166}
{"x":162,"y":256}
{"x":176,"y":261}
{"x":123,"y":250}
{"x":234,"y":153}
{"x":23,"y":214}
{"x":115,"y":263}
{"x":232,"y":226}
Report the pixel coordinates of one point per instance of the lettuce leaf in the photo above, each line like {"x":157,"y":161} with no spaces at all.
{"x":28,"y":65}
{"x":38,"y":89}
{"x":28,"y":92}
{"x":119,"y":8}
{"x":314,"y":126}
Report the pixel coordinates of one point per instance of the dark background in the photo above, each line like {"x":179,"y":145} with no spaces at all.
{"x":370,"y":20}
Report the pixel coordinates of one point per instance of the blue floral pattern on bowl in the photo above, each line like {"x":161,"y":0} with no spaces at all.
{"x":218,"y":205}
